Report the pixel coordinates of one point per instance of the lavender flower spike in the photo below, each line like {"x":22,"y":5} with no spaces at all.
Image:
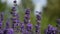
{"x":1,"y":16}
{"x":29,"y":26}
{"x":7,"y":23}
{"x":8,"y":29}
{"x":27,"y":11}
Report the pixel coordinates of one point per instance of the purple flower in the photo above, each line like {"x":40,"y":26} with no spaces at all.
{"x":9,"y":31}
{"x":27,"y":11}
{"x":25,"y":21}
{"x":49,"y":27}
{"x":17,"y":21}
{"x":8,"y":23}
{"x":51,"y":30}
{"x":38,"y":22}
{"x":14,"y":18}
{"x":0,"y":20}
{"x":1,"y":16}
{"x":38,"y":17}
{"x":1,"y":31}
{"x":21,"y":27}
{"x":13,"y":13}
{"x":0,"y":25}
{"x":40,"y":13}
{"x":14,"y":8}
{"x":16,"y":15}
{"x":15,"y":1}
{"x":29,"y":27}
{"x":17,"y":24}
{"x":12,"y":25}
{"x":5,"y":31}
{"x":27,"y":16}
{"x":37,"y":28}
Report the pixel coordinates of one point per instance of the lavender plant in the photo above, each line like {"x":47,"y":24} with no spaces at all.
{"x":1,"y":22}
{"x":29,"y":27}
{"x":1,"y":30}
{"x":15,"y":16}
{"x":51,"y":30}
{"x":2,"y":16}
{"x":27,"y":16}
{"x":22,"y":27}
{"x":37,"y":26}
{"x":8,"y":29}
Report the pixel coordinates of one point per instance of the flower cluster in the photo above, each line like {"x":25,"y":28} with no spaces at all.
{"x":7,"y":24}
{"x":27,"y":16}
{"x":15,"y":16}
{"x":51,"y":30}
{"x":1,"y":20}
{"x":28,"y":25}
{"x":37,"y":26}
{"x":8,"y":29}
{"x":22,"y":27}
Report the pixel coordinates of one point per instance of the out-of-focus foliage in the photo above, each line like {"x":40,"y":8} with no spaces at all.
{"x":2,"y":6}
{"x":51,"y":13}
{"x":53,"y":8}
{"x":28,"y":4}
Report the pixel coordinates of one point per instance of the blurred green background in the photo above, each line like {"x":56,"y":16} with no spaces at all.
{"x":50,"y":13}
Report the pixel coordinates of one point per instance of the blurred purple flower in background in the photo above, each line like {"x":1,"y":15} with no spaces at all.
{"x":27,"y":11}
{"x":27,"y":16}
{"x":2,"y":16}
{"x":29,"y":27}
{"x":1,"y":30}
{"x":8,"y":23}
{"x":8,"y":29}
{"x":38,"y":17}
{"x":22,"y":27}
{"x":1,"y":22}
{"x":15,"y":16}
{"x":51,"y":30}
{"x":37,"y":29}
{"x":15,"y":1}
